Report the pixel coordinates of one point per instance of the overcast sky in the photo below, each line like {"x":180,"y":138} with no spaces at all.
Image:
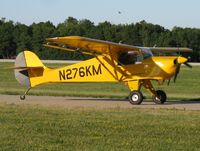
{"x":167,"y":13}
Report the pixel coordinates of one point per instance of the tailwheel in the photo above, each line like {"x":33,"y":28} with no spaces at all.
{"x":22,"y":97}
{"x":135,"y":97}
{"x":160,"y":98}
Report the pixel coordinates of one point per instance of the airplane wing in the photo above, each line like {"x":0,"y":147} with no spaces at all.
{"x":169,"y":49}
{"x":102,"y":47}
{"x":96,"y":46}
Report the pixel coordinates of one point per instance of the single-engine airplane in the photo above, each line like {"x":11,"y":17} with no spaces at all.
{"x":112,"y":62}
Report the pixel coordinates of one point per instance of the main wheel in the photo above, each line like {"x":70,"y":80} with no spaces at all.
{"x":160,"y":98}
{"x":135,"y":97}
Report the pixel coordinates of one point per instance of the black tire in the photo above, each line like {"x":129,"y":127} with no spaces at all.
{"x":22,"y":97}
{"x":135,"y":97}
{"x":160,"y":98}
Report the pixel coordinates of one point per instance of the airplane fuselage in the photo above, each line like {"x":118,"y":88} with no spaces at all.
{"x":105,"y":69}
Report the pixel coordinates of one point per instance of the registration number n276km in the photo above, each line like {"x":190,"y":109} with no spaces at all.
{"x":72,"y":73}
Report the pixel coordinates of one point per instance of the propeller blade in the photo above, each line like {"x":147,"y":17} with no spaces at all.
{"x":177,"y":71}
{"x":188,"y":65}
{"x":168,"y":82}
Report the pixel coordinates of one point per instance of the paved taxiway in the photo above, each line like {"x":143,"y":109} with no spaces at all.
{"x":81,"y":102}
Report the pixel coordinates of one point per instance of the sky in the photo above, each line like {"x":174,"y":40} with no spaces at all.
{"x":167,"y":13}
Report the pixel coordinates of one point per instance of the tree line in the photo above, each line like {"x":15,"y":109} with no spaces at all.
{"x":16,"y":37}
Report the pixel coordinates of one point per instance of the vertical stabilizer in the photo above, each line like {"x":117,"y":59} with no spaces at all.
{"x":25,"y":63}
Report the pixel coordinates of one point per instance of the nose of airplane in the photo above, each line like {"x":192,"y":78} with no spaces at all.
{"x":180,"y":60}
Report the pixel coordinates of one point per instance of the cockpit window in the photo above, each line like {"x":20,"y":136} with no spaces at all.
{"x":134,"y":57}
{"x":146,"y":53}
{"x":131,"y":57}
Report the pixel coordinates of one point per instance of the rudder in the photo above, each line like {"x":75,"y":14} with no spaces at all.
{"x":25,"y":63}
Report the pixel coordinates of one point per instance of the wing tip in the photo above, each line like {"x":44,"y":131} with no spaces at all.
{"x":66,"y":37}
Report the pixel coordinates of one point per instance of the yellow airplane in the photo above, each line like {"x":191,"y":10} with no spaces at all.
{"x":112,"y":62}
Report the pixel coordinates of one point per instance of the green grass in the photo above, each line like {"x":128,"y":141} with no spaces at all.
{"x":186,"y":87}
{"x":42,"y":128}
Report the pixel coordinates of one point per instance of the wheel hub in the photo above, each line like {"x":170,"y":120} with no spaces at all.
{"x":157,"y":98}
{"x":135,"y":97}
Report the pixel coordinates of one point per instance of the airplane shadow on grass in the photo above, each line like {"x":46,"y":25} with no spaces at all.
{"x":169,"y":102}
{"x":190,"y":101}
{"x":98,"y":99}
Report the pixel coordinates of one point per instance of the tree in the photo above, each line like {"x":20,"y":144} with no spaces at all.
{"x":22,"y":37}
{"x":87,"y":28}
{"x":7,"y":45}
{"x":69,"y":27}
{"x":14,"y":38}
{"x":40,"y":32}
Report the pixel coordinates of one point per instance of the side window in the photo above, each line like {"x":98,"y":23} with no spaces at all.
{"x":127,"y":58}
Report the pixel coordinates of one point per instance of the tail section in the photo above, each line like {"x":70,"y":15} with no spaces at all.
{"x":28,"y":65}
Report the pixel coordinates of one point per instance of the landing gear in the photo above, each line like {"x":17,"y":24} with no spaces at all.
{"x":160,"y":98}
{"x":135,"y":97}
{"x":23,"y":97}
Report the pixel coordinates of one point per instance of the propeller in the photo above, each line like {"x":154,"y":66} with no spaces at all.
{"x":188,"y":65}
{"x":168,"y":81}
{"x":177,"y":71}
{"x":178,"y":61}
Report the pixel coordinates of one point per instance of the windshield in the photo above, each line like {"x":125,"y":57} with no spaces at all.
{"x":146,"y":53}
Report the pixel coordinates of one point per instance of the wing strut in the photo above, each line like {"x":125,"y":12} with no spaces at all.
{"x":69,"y":49}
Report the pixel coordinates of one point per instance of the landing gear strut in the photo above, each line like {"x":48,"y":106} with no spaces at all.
{"x":23,"y":97}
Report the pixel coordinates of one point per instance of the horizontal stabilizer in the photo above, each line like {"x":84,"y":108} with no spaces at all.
{"x":22,"y":67}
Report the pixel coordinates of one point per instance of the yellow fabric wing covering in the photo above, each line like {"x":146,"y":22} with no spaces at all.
{"x":169,"y":49}
{"x":103,"y":47}
{"x":98,"y":46}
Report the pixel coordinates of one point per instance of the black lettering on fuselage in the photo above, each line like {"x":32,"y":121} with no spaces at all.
{"x":81,"y":72}
{"x":98,"y":71}
{"x":87,"y":71}
{"x":62,"y":75}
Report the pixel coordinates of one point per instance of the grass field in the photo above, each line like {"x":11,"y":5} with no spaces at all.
{"x":40,"y":128}
{"x":187,"y":86}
